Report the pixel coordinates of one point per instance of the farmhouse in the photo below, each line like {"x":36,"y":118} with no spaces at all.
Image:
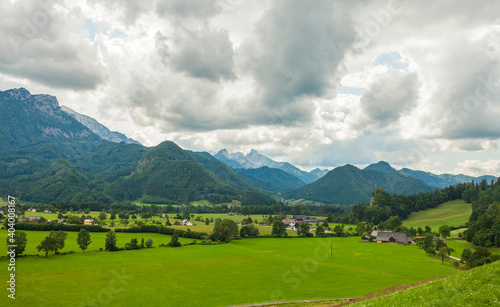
{"x":366,"y":238}
{"x":289,"y":223}
{"x":239,"y":223}
{"x":31,"y":210}
{"x":306,"y":219}
{"x":395,"y":237}
{"x":231,"y":214}
{"x":88,"y":222}
{"x":186,"y":222}
{"x":34,"y":218}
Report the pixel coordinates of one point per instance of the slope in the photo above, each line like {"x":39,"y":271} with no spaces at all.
{"x":275,"y":178}
{"x":98,"y":128}
{"x":35,"y":132}
{"x":476,"y":287}
{"x":348,"y":185}
{"x":169,"y":172}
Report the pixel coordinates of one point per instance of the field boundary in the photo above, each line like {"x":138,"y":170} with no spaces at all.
{"x":291,"y":302}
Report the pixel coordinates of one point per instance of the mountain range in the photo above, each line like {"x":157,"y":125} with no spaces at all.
{"x":255,"y":160}
{"x":433,"y":180}
{"x":49,"y":153}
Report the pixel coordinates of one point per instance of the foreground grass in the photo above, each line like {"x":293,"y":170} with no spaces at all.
{"x":454,"y":213}
{"x":477,"y":287}
{"x":242,"y":272}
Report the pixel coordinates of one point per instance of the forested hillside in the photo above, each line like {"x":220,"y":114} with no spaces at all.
{"x":348,"y":185}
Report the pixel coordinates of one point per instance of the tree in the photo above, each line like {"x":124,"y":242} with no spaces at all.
{"x":174,"y":241}
{"x":428,"y":229}
{"x":303,"y":230}
{"x":360,"y":228}
{"x":320,"y":231}
{"x":60,"y":237}
{"x":249,"y":231}
{"x":225,"y":230}
{"x":18,"y":238}
{"x":279,"y":229}
{"x":393,"y":222}
{"x":134,"y":243}
{"x":103,"y":216}
{"x":207,"y":221}
{"x":466,"y":256}
{"x":457,"y":266}
{"x":420,"y":231}
{"x":430,"y":251}
{"x":186,"y":214}
{"x":47,"y":245}
{"x":123,"y":215}
{"x":429,"y":241}
{"x":149,"y":243}
{"x":112,"y":216}
{"x":443,"y":253}
{"x":440,"y":243}
{"x":445,"y":231}
{"x":83,"y":239}
{"x":110,"y":242}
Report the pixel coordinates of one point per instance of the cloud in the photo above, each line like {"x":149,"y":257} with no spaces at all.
{"x":127,"y":11}
{"x":478,"y":168}
{"x":389,"y":97}
{"x":188,"y":8}
{"x":297,"y":49}
{"x":41,"y":44}
{"x":204,"y":54}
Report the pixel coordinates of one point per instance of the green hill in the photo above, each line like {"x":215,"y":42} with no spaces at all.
{"x":348,"y":185}
{"x":169,"y":172}
{"x":454,"y":213}
{"x":476,"y":287}
{"x":275,"y":179}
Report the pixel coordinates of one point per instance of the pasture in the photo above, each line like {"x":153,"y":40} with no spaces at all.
{"x":98,"y":238}
{"x":242,"y":272}
{"x":454,"y":213}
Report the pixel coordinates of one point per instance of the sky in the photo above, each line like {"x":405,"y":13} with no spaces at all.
{"x":312,"y":82}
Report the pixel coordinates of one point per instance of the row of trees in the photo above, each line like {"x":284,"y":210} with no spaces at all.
{"x":484,"y":223}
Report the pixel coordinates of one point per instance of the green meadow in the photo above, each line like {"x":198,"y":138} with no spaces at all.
{"x":454,"y":213}
{"x":476,"y":287}
{"x":98,"y":238}
{"x":242,"y":272}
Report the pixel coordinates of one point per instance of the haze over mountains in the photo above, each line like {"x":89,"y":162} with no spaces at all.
{"x":47,"y":155}
{"x":255,"y":160}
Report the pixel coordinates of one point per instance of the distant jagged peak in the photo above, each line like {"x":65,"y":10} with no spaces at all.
{"x":18,"y":93}
{"x":47,"y":100}
{"x":252,"y":153}
{"x":41,"y":101}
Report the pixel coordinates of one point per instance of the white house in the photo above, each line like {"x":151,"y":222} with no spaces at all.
{"x":186,"y":222}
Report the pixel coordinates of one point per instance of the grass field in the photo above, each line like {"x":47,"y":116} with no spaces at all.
{"x":453,"y":213}
{"x":35,"y":237}
{"x":477,"y":287}
{"x":242,"y":272}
